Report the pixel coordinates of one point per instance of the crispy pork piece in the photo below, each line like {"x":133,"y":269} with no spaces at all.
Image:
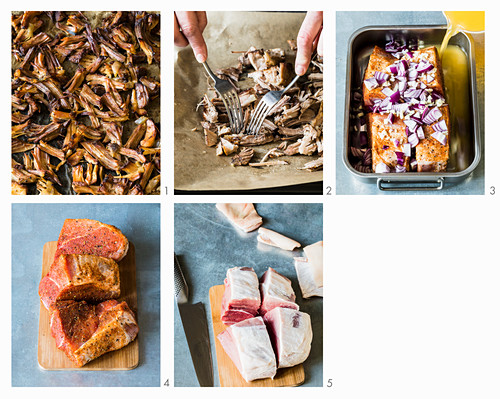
{"x":260,"y":59}
{"x":243,"y":216}
{"x":270,"y":237}
{"x":241,"y":298}
{"x":80,"y":277}
{"x":276,"y":291}
{"x":380,"y":60}
{"x":434,"y":78}
{"x":310,"y":270}
{"x":86,"y":80}
{"x":291,"y":335}
{"x":243,"y":157}
{"x":85,"y":332}
{"x":248,"y":345}
{"x":91,"y":237}
{"x":387,"y":139}
{"x":278,"y":75}
{"x":431,"y":154}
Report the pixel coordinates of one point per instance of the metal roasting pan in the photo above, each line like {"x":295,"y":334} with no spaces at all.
{"x":465,"y":153}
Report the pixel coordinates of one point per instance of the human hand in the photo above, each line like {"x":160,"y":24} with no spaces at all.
{"x":309,"y":37}
{"x":188,"y":29}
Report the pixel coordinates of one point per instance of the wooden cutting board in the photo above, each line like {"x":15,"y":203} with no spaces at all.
{"x":229,"y":376}
{"x":127,"y":358}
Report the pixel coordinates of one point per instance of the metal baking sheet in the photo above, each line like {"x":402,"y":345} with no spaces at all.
{"x":465,"y":153}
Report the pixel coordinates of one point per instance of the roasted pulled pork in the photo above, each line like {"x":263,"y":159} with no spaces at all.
{"x":295,"y":124}
{"x":85,"y":103}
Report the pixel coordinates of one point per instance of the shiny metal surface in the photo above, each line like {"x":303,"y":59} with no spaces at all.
{"x":464,"y":157}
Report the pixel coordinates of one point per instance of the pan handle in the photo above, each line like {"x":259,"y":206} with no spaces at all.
{"x":417,"y":185}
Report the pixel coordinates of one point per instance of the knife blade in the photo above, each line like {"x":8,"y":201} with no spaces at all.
{"x":194,"y":322}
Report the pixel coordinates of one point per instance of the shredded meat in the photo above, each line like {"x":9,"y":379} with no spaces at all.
{"x":297,"y":118}
{"x":84,"y":103}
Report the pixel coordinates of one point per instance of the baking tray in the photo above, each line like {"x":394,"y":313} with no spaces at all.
{"x":464,"y":157}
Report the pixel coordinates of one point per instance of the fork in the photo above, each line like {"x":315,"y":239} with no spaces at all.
{"x":230,"y":99}
{"x":266,"y":104}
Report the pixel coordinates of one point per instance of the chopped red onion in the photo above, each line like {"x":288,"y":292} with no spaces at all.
{"x":413,"y":139}
{"x":412,"y":75}
{"x":440,"y":126}
{"x":401,"y":157}
{"x":412,"y":125}
{"x":420,"y":133}
{"x":394,"y":97}
{"x":381,"y":77}
{"x":424,"y":66}
{"x":412,"y":93}
{"x":400,"y":169}
{"x":432,"y":116}
{"x":382,"y":168}
{"x":370,"y":83}
{"x":388,"y":92}
{"x":442,"y":138}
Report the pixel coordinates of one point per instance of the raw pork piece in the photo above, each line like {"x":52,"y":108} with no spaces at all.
{"x":310,"y":270}
{"x":248,"y":345}
{"x":291,"y":335}
{"x":85,"y":332}
{"x":243,"y":216}
{"x":80,"y":277}
{"x":90,"y":237}
{"x":276,"y":290}
{"x":270,"y":237}
{"x":241,"y":298}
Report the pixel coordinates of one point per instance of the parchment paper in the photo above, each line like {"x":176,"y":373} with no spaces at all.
{"x":196,"y":165}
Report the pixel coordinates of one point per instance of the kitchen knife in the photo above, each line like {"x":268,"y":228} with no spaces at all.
{"x":194,"y":322}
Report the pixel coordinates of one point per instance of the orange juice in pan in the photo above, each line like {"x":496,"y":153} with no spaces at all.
{"x":455,"y":69}
{"x":457,"y":21}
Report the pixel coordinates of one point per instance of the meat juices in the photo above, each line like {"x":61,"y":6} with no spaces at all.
{"x":291,"y":335}
{"x":270,"y":237}
{"x":276,"y":291}
{"x":241,"y":298}
{"x":90,"y":237}
{"x":80,"y":277}
{"x":248,"y":345}
{"x":310,"y":270}
{"x":85,"y":332}
{"x":243,"y":216}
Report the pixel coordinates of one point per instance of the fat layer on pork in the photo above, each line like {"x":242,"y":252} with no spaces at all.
{"x":270,"y":237}
{"x":243,"y":216}
{"x":291,"y":335}
{"x":241,"y":298}
{"x":310,"y":270}
{"x":276,"y":291}
{"x":248,"y":345}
